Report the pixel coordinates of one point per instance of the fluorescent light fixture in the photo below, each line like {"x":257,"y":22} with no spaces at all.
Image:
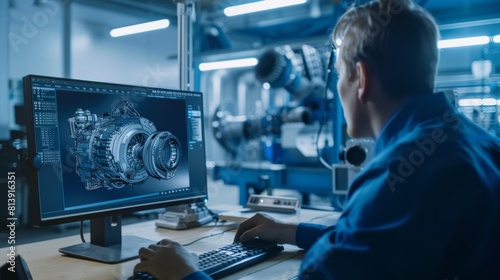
{"x":469,"y":102}
{"x":462,"y":42}
{"x":260,"y":6}
{"x":478,"y":102}
{"x":138,"y":28}
{"x":496,"y":39}
{"x":489,"y":109}
{"x":489,"y":102}
{"x":235,"y":63}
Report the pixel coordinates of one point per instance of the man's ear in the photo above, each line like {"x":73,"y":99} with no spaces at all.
{"x":364,"y":80}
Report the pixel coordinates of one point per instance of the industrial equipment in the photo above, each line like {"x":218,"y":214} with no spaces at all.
{"x":290,"y":134}
{"x":299,"y":141}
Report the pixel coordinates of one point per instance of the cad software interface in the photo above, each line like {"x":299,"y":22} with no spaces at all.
{"x":104,"y":146}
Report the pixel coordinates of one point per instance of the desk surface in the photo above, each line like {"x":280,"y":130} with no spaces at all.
{"x":45,"y":261}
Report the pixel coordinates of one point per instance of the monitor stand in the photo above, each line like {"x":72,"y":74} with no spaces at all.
{"x":106,"y":243}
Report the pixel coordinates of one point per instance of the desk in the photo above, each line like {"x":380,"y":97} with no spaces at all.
{"x":45,"y":261}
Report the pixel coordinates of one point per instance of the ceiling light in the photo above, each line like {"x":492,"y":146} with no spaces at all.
{"x":489,"y":101}
{"x":462,"y":42}
{"x":260,"y":6}
{"x":496,"y":39}
{"x":470,"y":102}
{"x":478,"y":102}
{"x":138,"y":28}
{"x":236,"y":63}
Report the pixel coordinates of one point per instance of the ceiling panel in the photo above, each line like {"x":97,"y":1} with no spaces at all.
{"x":314,"y":19}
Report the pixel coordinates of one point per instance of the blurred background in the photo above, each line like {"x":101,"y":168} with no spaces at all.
{"x":271,"y":119}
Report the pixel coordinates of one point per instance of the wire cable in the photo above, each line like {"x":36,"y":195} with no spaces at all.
{"x":327,"y":82}
{"x":81,"y":232}
{"x":208,"y":236}
{"x":215,"y":216}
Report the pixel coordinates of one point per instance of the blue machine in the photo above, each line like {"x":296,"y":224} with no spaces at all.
{"x":299,"y":141}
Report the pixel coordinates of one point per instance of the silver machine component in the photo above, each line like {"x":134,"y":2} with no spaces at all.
{"x":121,"y":148}
{"x":300,"y":71}
{"x":358,"y":151}
{"x":356,"y":154}
{"x":291,"y":130}
{"x":230,"y":131}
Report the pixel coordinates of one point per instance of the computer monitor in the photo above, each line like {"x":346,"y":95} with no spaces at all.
{"x":98,"y":150}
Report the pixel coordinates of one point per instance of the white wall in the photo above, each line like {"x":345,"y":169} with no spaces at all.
{"x":146,"y":59}
{"x":35,"y":46}
{"x":35,"y":39}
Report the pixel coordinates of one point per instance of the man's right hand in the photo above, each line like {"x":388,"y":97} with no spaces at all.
{"x":267,"y":228}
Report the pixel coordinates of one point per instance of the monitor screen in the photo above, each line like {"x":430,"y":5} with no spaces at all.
{"x":100,"y":149}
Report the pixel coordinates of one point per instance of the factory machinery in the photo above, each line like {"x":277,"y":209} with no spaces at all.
{"x":303,"y":146}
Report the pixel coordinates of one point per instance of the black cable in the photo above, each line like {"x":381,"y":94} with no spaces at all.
{"x":327,"y":82}
{"x":211,"y":235}
{"x":81,"y":232}
{"x":215,"y":216}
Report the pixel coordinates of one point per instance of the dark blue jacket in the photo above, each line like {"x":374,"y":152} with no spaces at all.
{"x":426,"y":207}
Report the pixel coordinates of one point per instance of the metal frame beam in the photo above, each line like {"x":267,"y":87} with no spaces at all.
{"x":185,"y":14}
{"x":4,"y":72}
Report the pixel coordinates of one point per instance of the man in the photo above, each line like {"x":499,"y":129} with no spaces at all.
{"x":428,"y":204}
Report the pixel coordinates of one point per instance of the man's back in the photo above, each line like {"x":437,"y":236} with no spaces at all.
{"x":441,"y":189}
{"x":427,"y":207}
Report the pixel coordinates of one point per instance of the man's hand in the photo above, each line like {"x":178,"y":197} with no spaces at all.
{"x":168,"y":260}
{"x":266,"y":228}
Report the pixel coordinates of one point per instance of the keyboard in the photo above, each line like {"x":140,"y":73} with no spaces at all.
{"x":231,"y":258}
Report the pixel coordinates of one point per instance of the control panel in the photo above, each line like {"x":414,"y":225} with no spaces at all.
{"x":288,"y":205}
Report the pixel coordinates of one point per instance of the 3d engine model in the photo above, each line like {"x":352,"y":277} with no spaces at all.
{"x":121,"y":148}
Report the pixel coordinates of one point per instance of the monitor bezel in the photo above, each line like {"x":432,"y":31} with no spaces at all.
{"x":31,"y":170}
